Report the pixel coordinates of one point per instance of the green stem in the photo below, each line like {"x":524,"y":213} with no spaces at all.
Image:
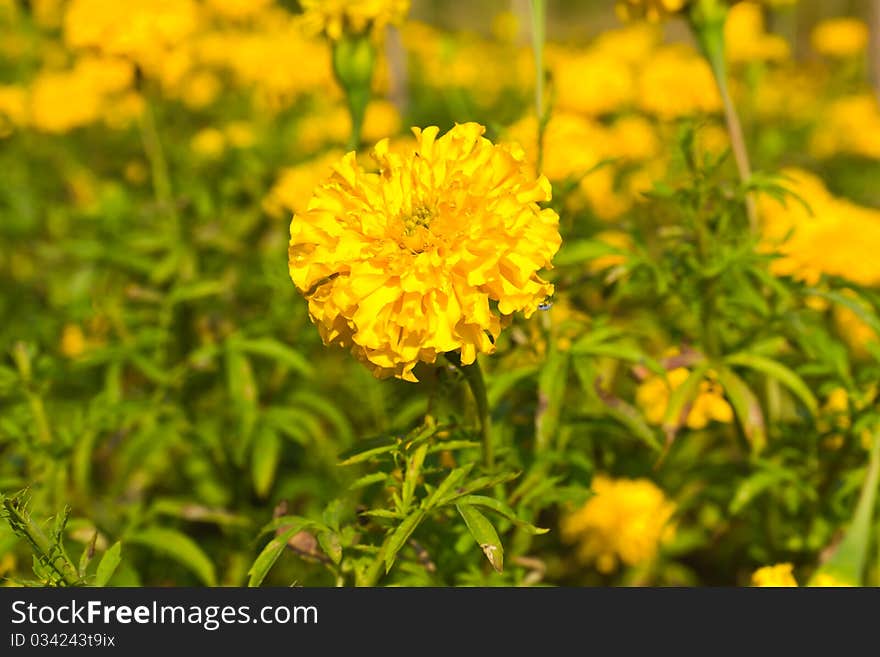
{"x":156,"y":157}
{"x":707,"y":22}
{"x":35,"y":401}
{"x":473,"y":374}
{"x":49,"y":555}
{"x":539,"y":36}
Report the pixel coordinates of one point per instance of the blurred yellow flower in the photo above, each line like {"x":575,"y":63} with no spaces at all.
{"x":746,"y":38}
{"x":13,"y":108}
{"x":73,"y":341}
{"x":144,"y":31}
{"x":237,"y":9}
{"x":414,"y":261}
{"x":591,"y":83}
{"x":840,"y":37}
{"x":652,"y":10}
{"x":337,"y":17}
{"x":295,"y":185}
{"x":626,"y":520}
{"x":828,"y":580}
{"x":849,"y":125}
{"x":776,"y":576}
{"x":208,"y":143}
{"x":617,"y":239}
{"x":64,"y":100}
{"x":652,"y":396}
{"x":832,"y":236}
{"x":676,"y":82}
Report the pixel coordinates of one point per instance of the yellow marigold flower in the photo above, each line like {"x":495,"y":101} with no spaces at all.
{"x":652,"y":396}
{"x":677,"y":82}
{"x":13,"y":108}
{"x":840,"y":37}
{"x":237,"y":9}
{"x":777,"y":576}
{"x":336,"y":17}
{"x":138,"y":29}
{"x":652,"y":10}
{"x":591,"y":82}
{"x":427,"y":255}
{"x":849,"y":125}
{"x":834,"y":236}
{"x":828,"y":580}
{"x":855,"y":332}
{"x":73,"y":341}
{"x":614,"y":238}
{"x":291,"y":192}
{"x":208,"y":143}
{"x":746,"y":38}
{"x":625,"y":521}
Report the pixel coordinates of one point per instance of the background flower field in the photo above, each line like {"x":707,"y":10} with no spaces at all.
{"x":696,"y":403}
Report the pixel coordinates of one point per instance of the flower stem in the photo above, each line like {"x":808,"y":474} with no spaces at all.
{"x":156,"y":157}
{"x":707,"y":20}
{"x":473,"y":374}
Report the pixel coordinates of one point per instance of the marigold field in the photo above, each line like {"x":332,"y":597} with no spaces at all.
{"x":433,"y":293}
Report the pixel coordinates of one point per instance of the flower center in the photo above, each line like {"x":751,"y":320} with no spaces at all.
{"x":420,"y":218}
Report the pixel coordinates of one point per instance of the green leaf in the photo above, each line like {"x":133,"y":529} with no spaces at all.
{"x":484,"y":534}
{"x":179,"y":547}
{"x":480,"y":483}
{"x":109,"y":563}
{"x":330,"y":543}
{"x":453,"y":479}
{"x":242,"y":387}
{"x":552,"y":384}
{"x":282,"y":521}
{"x":367,"y":449}
{"x":503,"y":510}
{"x":400,"y":535}
{"x":87,"y":554}
{"x":276,"y":351}
{"x":746,"y":406}
{"x":264,"y":460}
{"x":581,"y":251}
{"x":781,"y":373}
{"x":267,"y":558}
{"x":503,"y":381}
{"x":413,"y":471}
{"x":368,"y":480}
{"x":847,"y":564}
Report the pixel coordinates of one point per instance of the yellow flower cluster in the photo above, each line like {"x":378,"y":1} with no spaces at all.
{"x":746,"y":38}
{"x":337,"y":17}
{"x":850,"y":125}
{"x":781,"y":575}
{"x":625,"y":521}
{"x":834,"y":236}
{"x":840,"y":37}
{"x":652,"y":396}
{"x":427,"y":255}
{"x":94,"y":88}
{"x":652,"y":10}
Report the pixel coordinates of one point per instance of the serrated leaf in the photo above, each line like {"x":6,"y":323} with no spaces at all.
{"x":330,"y":543}
{"x":179,"y":547}
{"x":108,"y":564}
{"x":484,"y":534}
{"x":367,"y":449}
{"x":269,"y":555}
{"x":413,"y":472}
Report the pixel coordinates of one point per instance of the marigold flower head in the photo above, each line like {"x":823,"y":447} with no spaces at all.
{"x":710,"y":405}
{"x":427,"y":255}
{"x":652,"y":10}
{"x":840,"y":37}
{"x":776,"y":576}
{"x":337,"y":17}
{"x":625,"y":521}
